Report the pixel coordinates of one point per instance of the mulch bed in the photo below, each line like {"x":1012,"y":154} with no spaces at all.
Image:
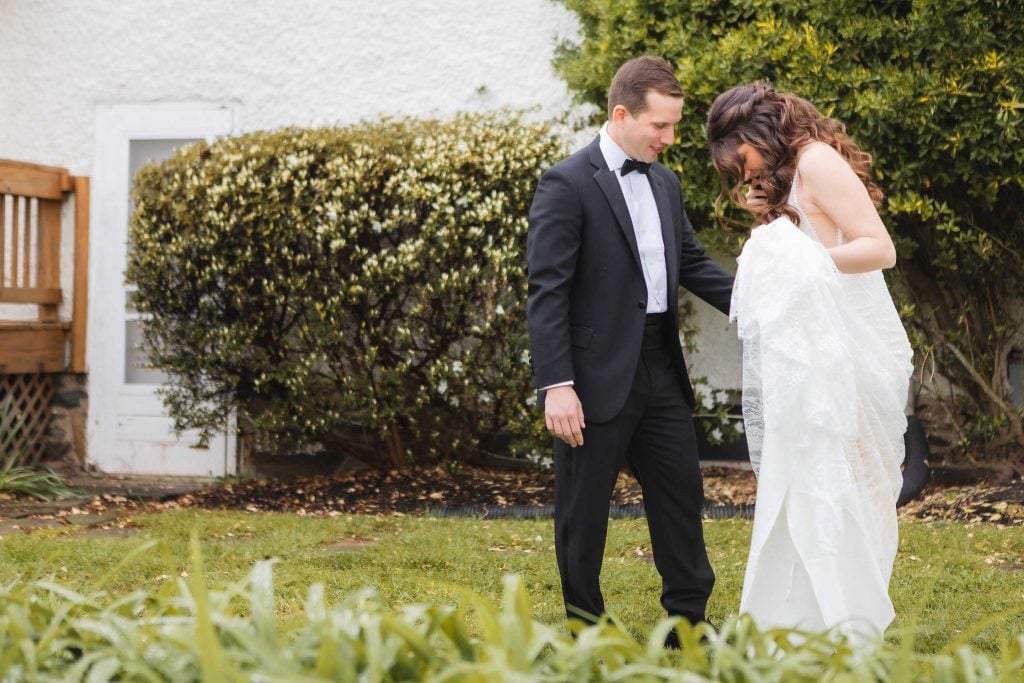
{"x":984,"y":502}
{"x":407,"y":492}
{"x":419,"y":490}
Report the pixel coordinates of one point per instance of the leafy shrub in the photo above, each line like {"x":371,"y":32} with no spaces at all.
{"x":360,"y":287}
{"x":186,"y":632}
{"x":934,"y":89}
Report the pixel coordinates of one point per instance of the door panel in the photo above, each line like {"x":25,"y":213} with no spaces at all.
{"x":130,"y":431}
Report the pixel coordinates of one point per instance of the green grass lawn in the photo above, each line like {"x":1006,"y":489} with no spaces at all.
{"x":948,"y":577}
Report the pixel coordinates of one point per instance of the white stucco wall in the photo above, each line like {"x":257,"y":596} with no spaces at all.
{"x":277,"y":62}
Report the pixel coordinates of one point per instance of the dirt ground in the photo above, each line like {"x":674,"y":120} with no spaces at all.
{"x":110,"y":502}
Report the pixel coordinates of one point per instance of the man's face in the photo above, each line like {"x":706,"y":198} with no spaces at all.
{"x":643,"y":136}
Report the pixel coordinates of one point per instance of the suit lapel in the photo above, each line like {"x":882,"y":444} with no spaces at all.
{"x":668,"y":233}
{"x":609,"y":185}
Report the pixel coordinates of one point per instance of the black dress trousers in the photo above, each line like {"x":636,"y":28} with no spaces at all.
{"x":654,"y":435}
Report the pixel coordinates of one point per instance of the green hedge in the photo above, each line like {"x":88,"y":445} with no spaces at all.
{"x":359,"y":287}
{"x":934,"y":89}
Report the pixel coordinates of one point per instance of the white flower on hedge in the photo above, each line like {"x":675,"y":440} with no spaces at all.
{"x":739,"y":426}
{"x":531,"y":399}
{"x":722,"y":396}
{"x":499,"y":310}
{"x":456,"y":366}
{"x":716,"y":435}
{"x":707,"y":402}
{"x":442,"y":387}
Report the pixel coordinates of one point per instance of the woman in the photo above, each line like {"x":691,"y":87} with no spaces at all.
{"x":826,"y":364}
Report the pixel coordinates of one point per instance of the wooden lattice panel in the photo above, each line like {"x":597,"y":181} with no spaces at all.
{"x":25,"y":413}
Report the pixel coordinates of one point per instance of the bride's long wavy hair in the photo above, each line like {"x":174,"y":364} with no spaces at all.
{"x":777,"y":125}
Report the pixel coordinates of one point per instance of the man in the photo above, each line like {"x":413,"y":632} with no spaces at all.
{"x":609,"y":245}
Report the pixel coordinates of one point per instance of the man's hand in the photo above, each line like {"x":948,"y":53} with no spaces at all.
{"x":756,"y":201}
{"x":563,"y":415}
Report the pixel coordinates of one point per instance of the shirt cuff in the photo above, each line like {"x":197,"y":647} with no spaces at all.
{"x":560,"y":384}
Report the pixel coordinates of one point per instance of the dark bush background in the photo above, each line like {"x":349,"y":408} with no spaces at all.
{"x":934,"y":89}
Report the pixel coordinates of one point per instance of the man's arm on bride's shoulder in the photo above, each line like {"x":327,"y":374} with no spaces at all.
{"x":830,"y":184}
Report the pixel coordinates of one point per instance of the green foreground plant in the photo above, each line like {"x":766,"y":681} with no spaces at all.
{"x":955,"y":587}
{"x":187,"y":632}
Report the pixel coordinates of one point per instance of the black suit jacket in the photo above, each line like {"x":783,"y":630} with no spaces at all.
{"x":587,"y":297}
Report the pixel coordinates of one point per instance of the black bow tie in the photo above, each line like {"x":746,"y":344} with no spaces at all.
{"x":634,"y":165}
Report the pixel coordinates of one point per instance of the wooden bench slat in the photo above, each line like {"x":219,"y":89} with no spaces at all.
{"x":31,"y":295}
{"x":32,"y":180}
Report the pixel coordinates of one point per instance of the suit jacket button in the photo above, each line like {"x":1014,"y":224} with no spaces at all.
{"x":641,"y":304}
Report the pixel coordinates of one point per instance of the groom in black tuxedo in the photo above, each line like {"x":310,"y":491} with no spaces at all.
{"x":608,"y":247}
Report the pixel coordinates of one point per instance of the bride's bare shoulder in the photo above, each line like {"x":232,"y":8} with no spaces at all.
{"x":817,"y":161}
{"x":817,"y":154}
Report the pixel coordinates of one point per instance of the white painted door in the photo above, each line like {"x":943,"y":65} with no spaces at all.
{"x":129,"y":430}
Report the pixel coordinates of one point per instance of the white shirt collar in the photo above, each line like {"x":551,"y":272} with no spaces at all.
{"x":614,"y":156}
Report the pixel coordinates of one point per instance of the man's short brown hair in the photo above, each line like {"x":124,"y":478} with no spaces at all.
{"x":635,"y":78}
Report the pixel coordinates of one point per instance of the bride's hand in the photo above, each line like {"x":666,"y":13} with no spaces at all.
{"x":757,"y":202}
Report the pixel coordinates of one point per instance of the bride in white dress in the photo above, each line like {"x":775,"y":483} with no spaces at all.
{"x":826,"y":364}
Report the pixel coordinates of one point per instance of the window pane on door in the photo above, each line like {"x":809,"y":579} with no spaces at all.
{"x":135,"y":359}
{"x":140,"y":153}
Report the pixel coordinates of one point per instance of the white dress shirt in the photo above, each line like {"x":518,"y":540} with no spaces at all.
{"x":643,"y":213}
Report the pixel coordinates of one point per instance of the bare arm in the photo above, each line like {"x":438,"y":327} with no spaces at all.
{"x":829,"y":184}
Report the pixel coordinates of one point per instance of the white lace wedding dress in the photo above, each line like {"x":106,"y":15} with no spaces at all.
{"x":826,"y":366}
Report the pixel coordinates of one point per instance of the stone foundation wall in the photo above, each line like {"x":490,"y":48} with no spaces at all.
{"x":65,"y":438}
